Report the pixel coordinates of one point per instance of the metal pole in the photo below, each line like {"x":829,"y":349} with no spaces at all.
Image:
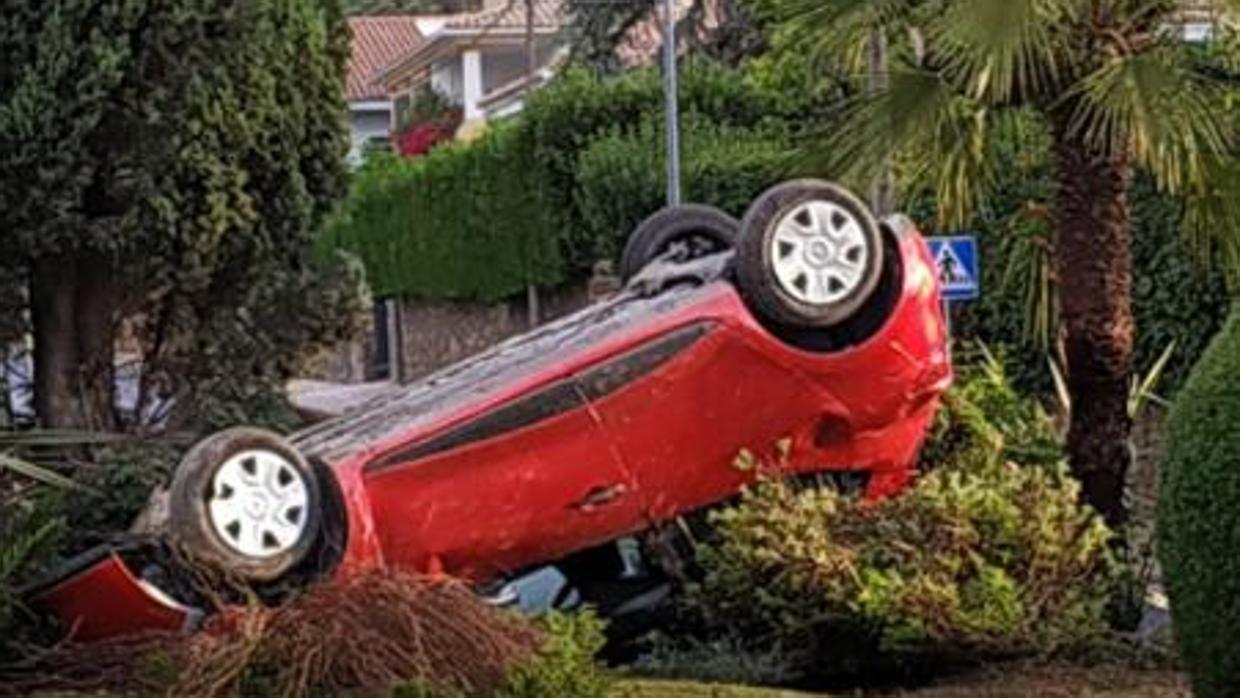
{"x":533,"y":312}
{"x":671,"y":99}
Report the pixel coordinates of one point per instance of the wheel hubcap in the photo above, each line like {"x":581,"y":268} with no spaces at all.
{"x":257,"y":504}
{"x":819,"y":253}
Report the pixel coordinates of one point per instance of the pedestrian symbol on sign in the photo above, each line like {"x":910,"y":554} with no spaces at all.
{"x":955,"y":259}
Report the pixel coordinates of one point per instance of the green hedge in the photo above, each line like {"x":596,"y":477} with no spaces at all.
{"x":1199,"y":518}
{"x":539,"y":199}
{"x":465,"y":221}
{"x":621,"y":178}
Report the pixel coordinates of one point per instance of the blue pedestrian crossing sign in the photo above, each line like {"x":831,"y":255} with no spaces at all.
{"x":955,"y":259}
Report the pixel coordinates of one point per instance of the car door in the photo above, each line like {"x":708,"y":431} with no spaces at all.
{"x":692,"y":399}
{"x":521,"y":484}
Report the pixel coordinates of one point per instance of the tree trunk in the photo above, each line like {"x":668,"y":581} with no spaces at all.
{"x":1093,"y":262}
{"x":73,"y":305}
{"x":53,"y":302}
{"x":95,"y":326}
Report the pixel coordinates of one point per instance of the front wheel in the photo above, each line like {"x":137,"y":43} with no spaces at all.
{"x":810,"y":254}
{"x":682,"y":233}
{"x":247,"y":502}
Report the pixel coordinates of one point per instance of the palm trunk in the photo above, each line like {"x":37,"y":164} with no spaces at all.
{"x":1093,"y":262}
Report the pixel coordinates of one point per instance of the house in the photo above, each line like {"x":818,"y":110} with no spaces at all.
{"x":377,"y":42}
{"x":480,"y":61}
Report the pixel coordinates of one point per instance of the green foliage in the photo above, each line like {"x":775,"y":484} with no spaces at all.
{"x":1177,"y":296}
{"x":566,"y":664}
{"x":1199,"y":517}
{"x":540,"y":199}
{"x":988,"y":554}
{"x":464,"y":221}
{"x":984,"y":418}
{"x":184,"y":151}
{"x":31,"y":529}
{"x":621,"y":178}
{"x":117,"y":485}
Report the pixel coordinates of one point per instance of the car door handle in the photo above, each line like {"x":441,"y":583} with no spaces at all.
{"x":600,"y":496}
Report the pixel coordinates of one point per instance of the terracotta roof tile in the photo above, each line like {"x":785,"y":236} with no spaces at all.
{"x":377,"y":42}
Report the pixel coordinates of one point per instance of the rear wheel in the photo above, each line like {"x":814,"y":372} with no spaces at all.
{"x":681,"y":233}
{"x":247,"y":502}
{"x":810,"y":254}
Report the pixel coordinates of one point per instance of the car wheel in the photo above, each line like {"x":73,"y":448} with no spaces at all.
{"x":685,"y":232}
{"x":810,"y":254}
{"x":246,"y":501}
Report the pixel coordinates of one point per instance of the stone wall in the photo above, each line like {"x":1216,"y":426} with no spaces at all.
{"x":435,"y":334}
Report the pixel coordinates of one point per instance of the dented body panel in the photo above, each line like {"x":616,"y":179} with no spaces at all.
{"x":612,"y":420}
{"x":100,"y":597}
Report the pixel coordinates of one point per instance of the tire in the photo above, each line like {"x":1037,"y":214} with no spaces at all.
{"x":704,"y":230}
{"x":245,"y":501}
{"x":810,"y":254}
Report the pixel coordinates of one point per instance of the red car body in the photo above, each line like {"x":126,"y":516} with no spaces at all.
{"x":597,"y":426}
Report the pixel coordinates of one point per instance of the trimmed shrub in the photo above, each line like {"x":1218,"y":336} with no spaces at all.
{"x":534,"y":202}
{"x":988,"y":555}
{"x":465,"y":221}
{"x":622,"y":177}
{"x":1199,"y":517}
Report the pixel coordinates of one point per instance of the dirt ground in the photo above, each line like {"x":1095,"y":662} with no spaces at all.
{"x":1001,"y":682}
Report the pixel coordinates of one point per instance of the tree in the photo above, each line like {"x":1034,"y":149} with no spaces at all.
{"x":163,"y":166}
{"x":1115,"y":91}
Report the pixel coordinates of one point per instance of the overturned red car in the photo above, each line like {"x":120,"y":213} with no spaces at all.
{"x":808,"y":334}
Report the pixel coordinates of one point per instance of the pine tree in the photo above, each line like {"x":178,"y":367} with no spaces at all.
{"x":164,"y":164}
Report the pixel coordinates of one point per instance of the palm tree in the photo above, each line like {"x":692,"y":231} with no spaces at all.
{"x":1112,"y":86}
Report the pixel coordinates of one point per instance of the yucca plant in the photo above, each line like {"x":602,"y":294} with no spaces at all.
{"x":1116,"y":91}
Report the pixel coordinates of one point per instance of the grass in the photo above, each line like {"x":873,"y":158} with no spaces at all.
{"x":1005,"y":682}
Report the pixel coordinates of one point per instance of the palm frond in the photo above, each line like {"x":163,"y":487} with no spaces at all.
{"x":1152,"y":107}
{"x":939,"y":139}
{"x":34,"y":472}
{"x":56,"y":438}
{"x":1003,"y":51}
{"x":838,"y":31}
{"x":1212,"y":216}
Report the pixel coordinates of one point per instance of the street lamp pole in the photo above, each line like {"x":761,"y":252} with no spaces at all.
{"x":671,"y":99}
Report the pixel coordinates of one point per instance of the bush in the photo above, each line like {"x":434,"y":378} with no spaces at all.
{"x":536,"y":200}
{"x":1199,"y":517}
{"x":983,"y":557}
{"x":565,"y":665}
{"x":622,"y":177}
{"x":463,"y":222}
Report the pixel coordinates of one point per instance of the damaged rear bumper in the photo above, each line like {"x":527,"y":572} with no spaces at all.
{"x":97,"y":596}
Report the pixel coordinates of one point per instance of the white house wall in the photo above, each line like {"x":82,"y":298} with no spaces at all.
{"x":367,"y":125}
